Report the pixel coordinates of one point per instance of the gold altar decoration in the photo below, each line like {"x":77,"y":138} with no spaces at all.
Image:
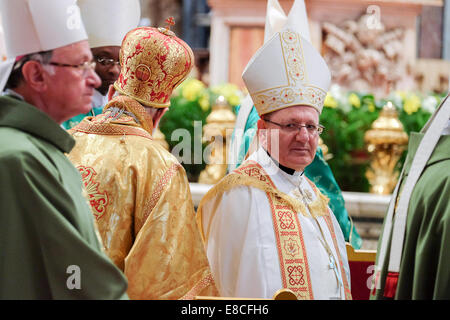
{"x":386,"y":141}
{"x":326,"y":155}
{"x":218,"y":129}
{"x":159,"y":137}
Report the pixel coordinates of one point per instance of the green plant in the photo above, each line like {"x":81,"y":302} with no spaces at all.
{"x":191,"y":102}
{"x":348,"y":115}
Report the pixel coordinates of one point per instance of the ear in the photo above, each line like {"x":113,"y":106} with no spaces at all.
{"x":261,"y":124}
{"x":34,"y":76}
{"x":262,"y":132}
{"x":111,"y":92}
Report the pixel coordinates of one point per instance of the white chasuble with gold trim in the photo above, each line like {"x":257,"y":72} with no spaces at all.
{"x":257,"y":244}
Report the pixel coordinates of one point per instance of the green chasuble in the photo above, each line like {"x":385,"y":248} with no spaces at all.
{"x":49,"y":247}
{"x":425,"y":262}
{"x":318,"y":172}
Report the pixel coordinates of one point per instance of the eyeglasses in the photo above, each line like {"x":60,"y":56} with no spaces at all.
{"x":107,"y":62}
{"x":85,"y":66}
{"x":295,"y":127}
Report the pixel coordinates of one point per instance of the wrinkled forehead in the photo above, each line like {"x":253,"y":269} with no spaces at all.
{"x":75,"y":51}
{"x":296,"y":113}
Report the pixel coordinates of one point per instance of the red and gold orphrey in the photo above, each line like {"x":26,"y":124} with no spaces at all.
{"x":291,"y":249}
{"x":97,"y":199}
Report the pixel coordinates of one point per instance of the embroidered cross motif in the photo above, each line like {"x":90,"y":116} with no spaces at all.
{"x":170,"y":22}
{"x":286,"y":221}
{"x":308,"y":196}
{"x":297,"y":194}
{"x":254,"y":172}
{"x":295,"y":275}
{"x":304,"y":195}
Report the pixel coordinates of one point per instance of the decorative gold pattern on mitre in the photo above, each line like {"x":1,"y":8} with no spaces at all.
{"x":298,"y":91}
{"x":293,"y":57}
{"x":153,"y":63}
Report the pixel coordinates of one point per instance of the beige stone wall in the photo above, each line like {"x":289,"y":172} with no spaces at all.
{"x":233,"y":21}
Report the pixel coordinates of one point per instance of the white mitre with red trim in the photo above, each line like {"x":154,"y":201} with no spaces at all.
{"x":287,"y":70}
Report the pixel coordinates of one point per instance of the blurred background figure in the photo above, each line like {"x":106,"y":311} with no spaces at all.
{"x":106,"y":23}
{"x":50,"y":247}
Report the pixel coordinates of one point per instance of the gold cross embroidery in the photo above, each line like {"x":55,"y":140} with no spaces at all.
{"x":170,"y":22}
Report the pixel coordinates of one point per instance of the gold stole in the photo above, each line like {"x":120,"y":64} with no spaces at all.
{"x":290,"y":245}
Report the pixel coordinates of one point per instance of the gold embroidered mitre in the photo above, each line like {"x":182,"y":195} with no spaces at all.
{"x":153,"y":63}
{"x":287,"y":71}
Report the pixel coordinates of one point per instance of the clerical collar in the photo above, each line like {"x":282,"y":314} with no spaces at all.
{"x":12,"y":93}
{"x":289,"y":171}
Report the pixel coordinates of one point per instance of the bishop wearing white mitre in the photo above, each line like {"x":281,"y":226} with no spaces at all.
{"x":265,"y":225}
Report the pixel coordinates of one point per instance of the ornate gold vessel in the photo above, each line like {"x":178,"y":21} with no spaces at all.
{"x":218,"y":129}
{"x":326,"y":155}
{"x":386,"y":141}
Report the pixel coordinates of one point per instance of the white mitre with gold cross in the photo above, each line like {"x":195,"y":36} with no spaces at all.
{"x":108,"y":21}
{"x":287,"y":70}
{"x":31,"y":26}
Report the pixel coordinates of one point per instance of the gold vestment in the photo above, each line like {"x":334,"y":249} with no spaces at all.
{"x":140,"y":197}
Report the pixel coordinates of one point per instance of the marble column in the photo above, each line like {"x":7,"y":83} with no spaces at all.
{"x":446,"y":29}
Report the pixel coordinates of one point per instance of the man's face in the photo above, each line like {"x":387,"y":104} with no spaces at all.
{"x":69,"y":90}
{"x":295,"y":149}
{"x":107,"y":67}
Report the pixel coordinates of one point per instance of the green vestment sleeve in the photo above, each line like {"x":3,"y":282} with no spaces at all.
{"x":425,"y":264}
{"x":42,"y":224}
{"x":72,"y":122}
{"x":49,"y":248}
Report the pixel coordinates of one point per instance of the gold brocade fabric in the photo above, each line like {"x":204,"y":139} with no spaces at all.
{"x":140,"y":197}
{"x":252,"y":178}
{"x":292,"y":256}
{"x":153,"y":63}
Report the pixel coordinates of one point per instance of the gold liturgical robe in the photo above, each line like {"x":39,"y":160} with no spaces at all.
{"x":140,"y":197}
